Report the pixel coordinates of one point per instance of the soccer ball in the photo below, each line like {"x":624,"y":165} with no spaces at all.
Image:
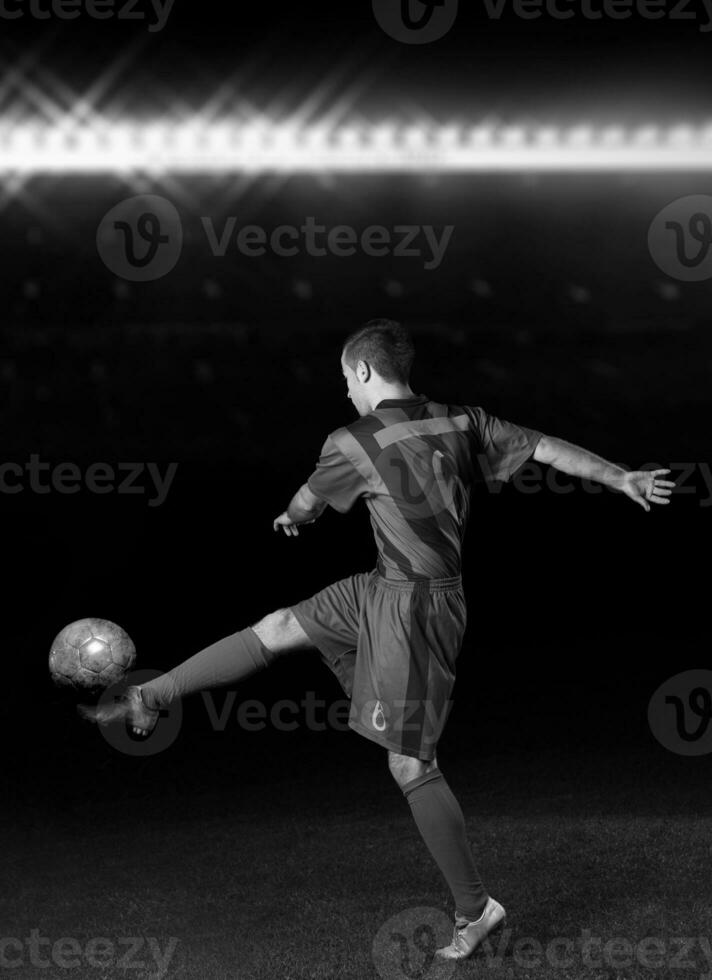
{"x":91,"y":654}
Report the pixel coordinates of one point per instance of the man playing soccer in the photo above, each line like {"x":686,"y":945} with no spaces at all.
{"x":392,"y":635}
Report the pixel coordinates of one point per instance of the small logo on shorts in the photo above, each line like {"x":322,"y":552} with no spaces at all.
{"x":378,"y":719}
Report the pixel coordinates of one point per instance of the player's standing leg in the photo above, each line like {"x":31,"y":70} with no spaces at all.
{"x":440,"y":820}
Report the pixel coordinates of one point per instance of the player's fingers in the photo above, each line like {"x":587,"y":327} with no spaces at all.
{"x":659,"y":472}
{"x":661,"y":491}
{"x":665,"y":483}
{"x":659,"y":500}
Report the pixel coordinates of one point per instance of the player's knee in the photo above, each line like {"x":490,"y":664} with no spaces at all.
{"x":280,"y":631}
{"x":405,"y":768}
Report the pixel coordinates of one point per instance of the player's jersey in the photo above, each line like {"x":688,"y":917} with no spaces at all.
{"x":414,"y":461}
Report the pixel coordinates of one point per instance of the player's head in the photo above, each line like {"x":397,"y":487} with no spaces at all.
{"x":377,"y":357}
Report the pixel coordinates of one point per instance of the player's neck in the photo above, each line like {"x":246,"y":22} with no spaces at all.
{"x":391,"y":393}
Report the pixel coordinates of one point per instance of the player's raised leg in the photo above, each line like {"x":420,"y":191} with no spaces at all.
{"x":231,"y":659}
{"x":442,"y":826}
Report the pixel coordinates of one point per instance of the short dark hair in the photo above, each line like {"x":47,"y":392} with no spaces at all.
{"x":385,"y":345}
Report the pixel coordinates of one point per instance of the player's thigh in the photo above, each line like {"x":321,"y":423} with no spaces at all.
{"x":405,"y":768}
{"x":280,"y":631}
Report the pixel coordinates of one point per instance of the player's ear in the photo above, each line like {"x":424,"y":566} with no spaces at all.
{"x":363,"y":372}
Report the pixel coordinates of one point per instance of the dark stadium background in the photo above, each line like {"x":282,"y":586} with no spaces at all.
{"x":547,"y":309}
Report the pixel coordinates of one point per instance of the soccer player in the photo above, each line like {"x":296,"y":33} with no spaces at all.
{"x":392,"y":635}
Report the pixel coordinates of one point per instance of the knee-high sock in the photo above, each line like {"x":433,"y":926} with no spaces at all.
{"x":442,"y":826}
{"x":230,"y":659}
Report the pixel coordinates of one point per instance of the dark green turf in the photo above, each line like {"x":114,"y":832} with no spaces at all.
{"x":295,"y":881}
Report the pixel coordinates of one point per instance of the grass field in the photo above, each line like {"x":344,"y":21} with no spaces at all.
{"x":267,"y":871}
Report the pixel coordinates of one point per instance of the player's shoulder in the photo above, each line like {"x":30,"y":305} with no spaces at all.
{"x":475,"y":413}
{"x":364,"y":425}
{"x":346,"y":440}
{"x":438,"y":408}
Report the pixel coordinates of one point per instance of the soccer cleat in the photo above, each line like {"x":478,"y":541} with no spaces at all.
{"x":129,"y":708}
{"x":466,"y":939}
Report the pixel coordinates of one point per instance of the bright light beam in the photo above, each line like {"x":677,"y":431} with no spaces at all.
{"x":195,"y":146}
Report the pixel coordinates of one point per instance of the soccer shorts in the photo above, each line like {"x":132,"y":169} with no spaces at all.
{"x":393,"y":646}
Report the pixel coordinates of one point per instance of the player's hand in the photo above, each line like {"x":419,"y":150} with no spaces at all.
{"x":287,"y":524}
{"x":647,"y":487}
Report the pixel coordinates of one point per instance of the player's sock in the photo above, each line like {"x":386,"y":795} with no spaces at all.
{"x":230,"y":659}
{"x":442,"y":826}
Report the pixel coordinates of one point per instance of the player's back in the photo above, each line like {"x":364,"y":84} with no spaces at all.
{"x":414,"y":461}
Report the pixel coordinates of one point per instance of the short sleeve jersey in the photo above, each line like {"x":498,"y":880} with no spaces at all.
{"x":415,"y":461}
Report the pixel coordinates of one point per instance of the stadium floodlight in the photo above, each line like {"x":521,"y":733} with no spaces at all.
{"x":448,"y":136}
{"x":415,"y":137}
{"x":647,"y":136}
{"x":681,"y":136}
{"x":197,"y":145}
{"x":580,"y":136}
{"x":513,"y":136}
{"x":546,"y":136}
{"x":612,"y":137}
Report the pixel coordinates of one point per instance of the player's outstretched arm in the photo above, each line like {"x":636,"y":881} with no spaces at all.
{"x":642,"y":486}
{"x":304,"y":508}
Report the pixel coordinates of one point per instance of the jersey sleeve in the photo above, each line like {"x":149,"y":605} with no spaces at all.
{"x":503,"y":446}
{"x":335,"y":479}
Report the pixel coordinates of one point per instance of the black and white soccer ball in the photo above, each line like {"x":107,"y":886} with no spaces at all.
{"x":90,"y":655}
